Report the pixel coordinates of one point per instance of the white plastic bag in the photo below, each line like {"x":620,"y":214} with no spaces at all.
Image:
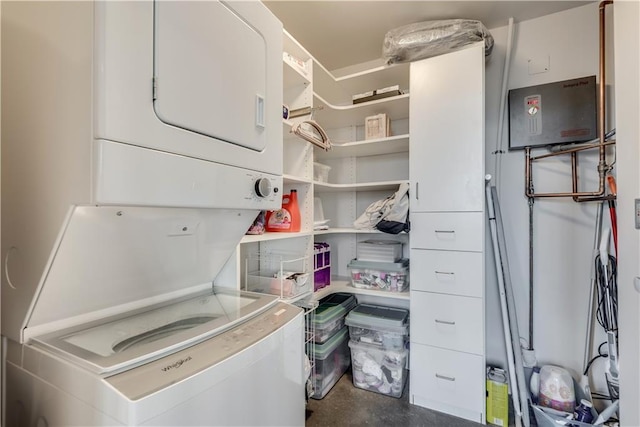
{"x":431,"y":38}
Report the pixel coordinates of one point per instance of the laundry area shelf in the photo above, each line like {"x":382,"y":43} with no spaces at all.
{"x":337,"y":86}
{"x":369,"y":147}
{"x":346,"y":231}
{"x":248,"y":238}
{"x":396,"y":107}
{"x":343,"y":285}
{"x":291,"y":179}
{"x":293,"y":77}
{"x":335,"y":186}
{"x":323,"y":187}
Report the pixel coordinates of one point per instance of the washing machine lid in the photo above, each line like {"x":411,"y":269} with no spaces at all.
{"x":190,"y":80}
{"x":130,"y":339}
{"x":111,"y":260}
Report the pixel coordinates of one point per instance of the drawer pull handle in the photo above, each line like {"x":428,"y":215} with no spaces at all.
{"x":445,"y":322}
{"x":445,"y":231}
{"x":445,"y":377}
{"x":450,"y":273}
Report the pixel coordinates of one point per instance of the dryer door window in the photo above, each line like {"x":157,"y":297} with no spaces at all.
{"x":210,"y":72}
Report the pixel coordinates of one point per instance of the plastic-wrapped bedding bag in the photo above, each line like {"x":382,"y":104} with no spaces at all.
{"x":431,"y":38}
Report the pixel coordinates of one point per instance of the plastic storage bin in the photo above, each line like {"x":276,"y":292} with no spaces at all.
{"x":321,"y":265}
{"x":348,"y":301}
{"x":321,"y":172}
{"x":328,"y":319}
{"x":391,"y":277}
{"x":332,"y":359}
{"x":546,"y":417}
{"x":379,"y":251}
{"x":384,"y":327}
{"x":377,"y":369}
{"x":281,"y":275}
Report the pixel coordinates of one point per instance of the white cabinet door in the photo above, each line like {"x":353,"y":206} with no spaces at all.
{"x":203,"y":81}
{"x":447,"y":132}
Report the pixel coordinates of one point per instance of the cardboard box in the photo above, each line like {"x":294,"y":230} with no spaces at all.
{"x":385,"y":92}
{"x":497,"y":397}
{"x":377,"y":126}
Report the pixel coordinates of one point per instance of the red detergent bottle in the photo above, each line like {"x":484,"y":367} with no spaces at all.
{"x":286,"y":218}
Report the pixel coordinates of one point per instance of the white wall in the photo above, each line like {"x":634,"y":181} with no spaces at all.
{"x":563,"y":229}
{"x":1,"y":270}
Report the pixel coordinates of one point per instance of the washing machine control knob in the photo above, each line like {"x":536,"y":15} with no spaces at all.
{"x":263,"y":187}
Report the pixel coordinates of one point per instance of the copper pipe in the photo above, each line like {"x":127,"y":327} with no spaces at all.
{"x":573,"y":150}
{"x":601,"y":145}
{"x":603,"y":80}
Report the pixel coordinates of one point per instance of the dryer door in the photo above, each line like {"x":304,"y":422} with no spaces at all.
{"x":202,"y":81}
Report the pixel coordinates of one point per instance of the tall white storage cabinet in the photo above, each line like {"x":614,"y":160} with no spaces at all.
{"x":447,"y":233}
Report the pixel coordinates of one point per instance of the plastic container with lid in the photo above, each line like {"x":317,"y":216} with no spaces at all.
{"x":385,"y":327}
{"x":379,"y":251}
{"x":332,"y":359}
{"x":348,"y":301}
{"x":377,"y":369}
{"x":327,"y":320}
{"x":383,"y":276}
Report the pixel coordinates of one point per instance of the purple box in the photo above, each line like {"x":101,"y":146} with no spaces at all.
{"x":321,"y":265}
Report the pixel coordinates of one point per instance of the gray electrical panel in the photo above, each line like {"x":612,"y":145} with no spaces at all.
{"x":554,"y":113}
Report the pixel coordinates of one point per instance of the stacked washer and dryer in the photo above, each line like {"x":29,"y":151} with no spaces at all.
{"x":140,"y":140}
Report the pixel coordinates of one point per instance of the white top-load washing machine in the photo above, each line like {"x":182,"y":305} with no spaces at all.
{"x":140,"y":140}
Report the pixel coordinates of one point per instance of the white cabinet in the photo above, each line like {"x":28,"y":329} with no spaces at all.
{"x":447,"y":132}
{"x":447,"y":235}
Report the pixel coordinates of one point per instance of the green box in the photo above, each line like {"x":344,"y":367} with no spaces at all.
{"x":497,"y":403}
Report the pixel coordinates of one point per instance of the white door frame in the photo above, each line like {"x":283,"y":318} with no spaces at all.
{"x":627,"y":108}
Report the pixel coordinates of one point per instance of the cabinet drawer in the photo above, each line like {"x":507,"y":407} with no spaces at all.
{"x":463,"y":231}
{"x":447,"y":321}
{"x":448,"y":381}
{"x":447,"y":272}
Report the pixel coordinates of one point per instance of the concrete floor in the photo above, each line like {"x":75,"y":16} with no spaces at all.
{"x":347,"y":405}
